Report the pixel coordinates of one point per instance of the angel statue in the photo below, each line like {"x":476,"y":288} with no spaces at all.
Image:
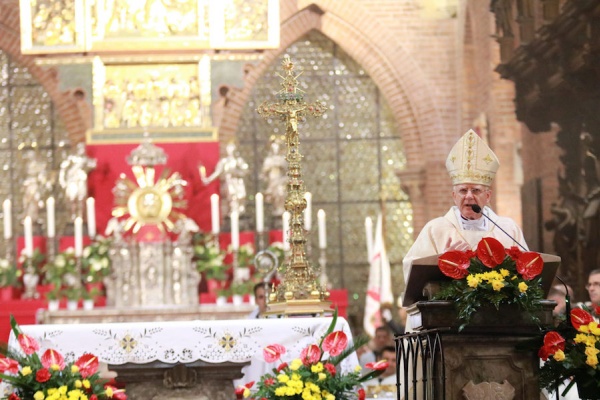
{"x":232,"y":169}
{"x":37,"y":184}
{"x":73,"y":178}
{"x":274,"y":174}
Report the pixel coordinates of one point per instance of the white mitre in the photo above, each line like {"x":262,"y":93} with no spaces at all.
{"x":472,"y":161}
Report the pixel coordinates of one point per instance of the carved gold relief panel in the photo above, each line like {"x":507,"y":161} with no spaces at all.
{"x":117,"y":26}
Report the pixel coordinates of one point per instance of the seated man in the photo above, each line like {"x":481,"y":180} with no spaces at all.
{"x":384,"y":386}
{"x":383,"y":338}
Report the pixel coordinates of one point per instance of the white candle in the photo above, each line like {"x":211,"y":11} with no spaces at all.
{"x":260,"y":213}
{"x":51,"y":228}
{"x":214,"y":213}
{"x":308,"y":211}
{"x":322,"y":231}
{"x":235,"y":230}
{"x":286,"y":230}
{"x":28,"y":236}
{"x":90,"y":205}
{"x":369,"y":232}
{"x":7,"y":219}
{"x":78,"y":237}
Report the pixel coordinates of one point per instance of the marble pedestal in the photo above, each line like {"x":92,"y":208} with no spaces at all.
{"x":485,"y":357}
{"x":198,"y":380}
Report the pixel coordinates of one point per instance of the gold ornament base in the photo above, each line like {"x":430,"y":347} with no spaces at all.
{"x":312,"y":307}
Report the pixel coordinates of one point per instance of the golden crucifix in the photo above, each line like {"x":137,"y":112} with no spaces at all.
{"x":299,"y":292}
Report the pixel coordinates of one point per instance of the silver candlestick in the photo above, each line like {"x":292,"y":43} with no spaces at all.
{"x":323,"y":267}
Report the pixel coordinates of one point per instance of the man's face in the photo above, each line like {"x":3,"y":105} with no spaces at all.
{"x":260,"y":299}
{"x":382,"y":338}
{"x":390,"y":356}
{"x":593,"y":288}
{"x":466,"y":195}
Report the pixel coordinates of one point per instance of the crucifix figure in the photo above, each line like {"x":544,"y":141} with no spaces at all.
{"x":299,"y":281}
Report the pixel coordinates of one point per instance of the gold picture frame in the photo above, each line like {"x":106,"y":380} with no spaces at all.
{"x":166,"y":102}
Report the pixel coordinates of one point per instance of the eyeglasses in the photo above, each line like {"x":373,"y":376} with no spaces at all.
{"x":474,"y":191}
{"x":593,"y":284}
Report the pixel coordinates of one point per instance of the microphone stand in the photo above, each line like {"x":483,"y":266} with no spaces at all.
{"x":478,"y":210}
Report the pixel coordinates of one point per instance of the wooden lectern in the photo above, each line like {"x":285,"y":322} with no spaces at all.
{"x":484,"y":355}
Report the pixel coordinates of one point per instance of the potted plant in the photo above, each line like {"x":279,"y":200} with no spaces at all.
{"x":53,"y":296}
{"x":95,"y":261}
{"x":570,"y":352}
{"x":73,"y":294}
{"x":89,"y":295}
{"x":9,"y":280}
{"x":209,"y":260}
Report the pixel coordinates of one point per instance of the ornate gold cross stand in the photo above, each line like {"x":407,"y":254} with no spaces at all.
{"x":299,"y":292}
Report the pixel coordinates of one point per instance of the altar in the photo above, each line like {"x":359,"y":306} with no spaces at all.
{"x":185,"y":359}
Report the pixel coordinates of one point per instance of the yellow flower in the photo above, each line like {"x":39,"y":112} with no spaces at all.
{"x":280,"y":391}
{"x":318,"y":367}
{"x":39,"y":395}
{"x":62,"y":390}
{"x":109,"y":392}
{"x":523,"y":287}
{"x":55,"y":367}
{"x":295,"y":364}
{"x":322,"y":376}
{"x":594,"y":328}
{"x":504,"y":272}
{"x":246,"y":392}
{"x":86,"y":384}
{"x":497,"y":285}
{"x":26,"y":371}
{"x":358,"y":368}
{"x":296,"y":377}
{"x":74,"y":369}
{"x":473,"y":281}
{"x":559,"y":355}
{"x":283,"y":378}
{"x":78,"y":384}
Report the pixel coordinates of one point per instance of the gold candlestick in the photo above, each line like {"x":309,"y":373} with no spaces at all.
{"x":299,"y":291}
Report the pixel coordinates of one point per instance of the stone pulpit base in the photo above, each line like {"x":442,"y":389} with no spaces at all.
{"x":482,"y":361}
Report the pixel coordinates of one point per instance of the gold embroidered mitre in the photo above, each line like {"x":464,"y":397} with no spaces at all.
{"x":472,"y":161}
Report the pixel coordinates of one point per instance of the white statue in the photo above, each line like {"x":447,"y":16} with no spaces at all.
{"x":274,"y":173}
{"x":38,"y":182}
{"x":232,"y":169}
{"x":73,"y":178}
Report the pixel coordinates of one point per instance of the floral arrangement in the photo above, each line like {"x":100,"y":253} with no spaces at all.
{"x":491,"y":275}
{"x":95,"y":260}
{"x":37,"y":260}
{"x":571,"y":351}
{"x":62,"y":270}
{"x":50,"y":376}
{"x":316,"y":374}
{"x":9,"y":273}
{"x":207,"y":256}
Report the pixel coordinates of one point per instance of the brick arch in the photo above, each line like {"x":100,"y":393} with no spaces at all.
{"x":393,"y":70}
{"x":66,"y":103}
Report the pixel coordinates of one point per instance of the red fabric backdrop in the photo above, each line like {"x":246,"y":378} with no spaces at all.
{"x":182,"y":157}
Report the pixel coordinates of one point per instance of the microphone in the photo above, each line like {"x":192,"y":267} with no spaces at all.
{"x":478,"y":210}
{"x":567,"y":300}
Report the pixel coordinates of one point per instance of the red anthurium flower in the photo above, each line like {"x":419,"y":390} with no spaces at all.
{"x":52,"y":357}
{"x":491,"y":252}
{"x":335,"y":343}
{"x":310,"y":355}
{"x":273,"y":352}
{"x":269,"y":381}
{"x":28,"y":344}
{"x":529,"y":265}
{"x":514,"y":252}
{"x":282,"y":366}
{"x":378,"y":366}
{"x":114,"y":393}
{"x":88,"y":365}
{"x":361,"y":394}
{"x":43,"y":375}
{"x":8,"y":366}
{"x":580,"y":317}
{"x":454,"y":264}
{"x":552,"y":343}
{"x":13,"y":396}
{"x":239,"y":391}
{"x":93,"y":397}
{"x":330,"y":368}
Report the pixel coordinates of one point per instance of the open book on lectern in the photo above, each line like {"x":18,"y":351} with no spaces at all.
{"x":425,"y":270}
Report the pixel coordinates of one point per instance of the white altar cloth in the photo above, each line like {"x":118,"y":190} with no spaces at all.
{"x":237,"y":341}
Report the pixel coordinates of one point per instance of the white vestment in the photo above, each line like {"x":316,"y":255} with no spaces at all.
{"x":434,"y":236}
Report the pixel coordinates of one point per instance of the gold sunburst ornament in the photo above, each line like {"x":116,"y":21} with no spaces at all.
{"x":147,"y":201}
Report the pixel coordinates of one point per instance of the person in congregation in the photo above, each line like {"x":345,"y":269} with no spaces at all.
{"x":593,"y":289}
{"x":260,"y":297}
{"x":472,"y":166}
{"x":382,"y":339}
{"x":558,"y":293}
{"x":384,"y":386}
